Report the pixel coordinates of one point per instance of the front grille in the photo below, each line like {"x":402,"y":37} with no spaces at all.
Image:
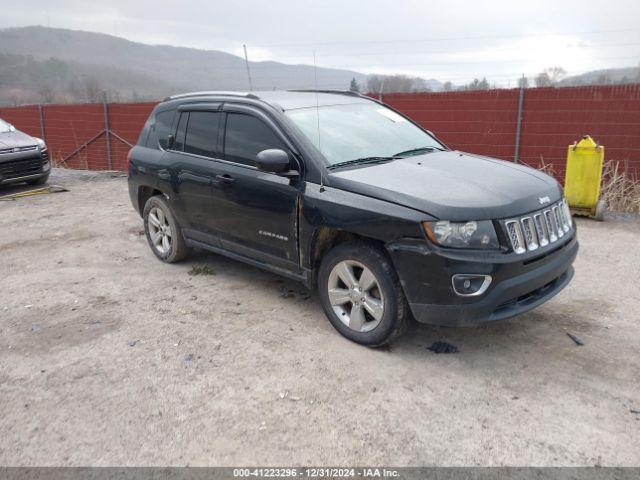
{"x":18,"y":149}
{"x":22,"y":167}
{"x":540,"y":228}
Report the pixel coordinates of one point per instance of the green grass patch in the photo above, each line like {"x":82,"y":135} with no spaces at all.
{"x":202,"y":269}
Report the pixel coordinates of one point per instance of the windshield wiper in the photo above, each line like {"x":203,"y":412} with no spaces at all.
{"x":419,"y":150}
{"x":361,"y":161}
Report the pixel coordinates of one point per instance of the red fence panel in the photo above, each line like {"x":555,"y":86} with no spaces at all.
{"x":25,"y":118}
{"x":482,"y":122}
{"x":126,"y":120}
{"x":554,"y":118}
{"x":68,"y":127}
{"x":75,"y":134}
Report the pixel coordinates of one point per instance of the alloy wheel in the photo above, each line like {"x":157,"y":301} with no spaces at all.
{"x":160,"y":230}
{"x":355,"y":295}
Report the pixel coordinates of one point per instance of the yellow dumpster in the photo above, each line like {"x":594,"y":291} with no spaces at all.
{"x":583,"y":177}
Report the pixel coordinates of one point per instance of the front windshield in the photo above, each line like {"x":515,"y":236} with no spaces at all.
{"x":4,"y":126}
{"x":359,"y":130}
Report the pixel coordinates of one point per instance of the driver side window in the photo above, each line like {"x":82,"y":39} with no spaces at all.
{"x":246,"y":136}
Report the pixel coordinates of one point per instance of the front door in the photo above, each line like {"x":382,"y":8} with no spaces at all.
{"x":257,"y":214}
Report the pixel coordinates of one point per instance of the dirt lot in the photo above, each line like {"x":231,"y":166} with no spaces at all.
{"x":109,"y":357}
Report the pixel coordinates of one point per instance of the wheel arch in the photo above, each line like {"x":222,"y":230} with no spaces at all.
{"x":144,"y":194}
{"x":326,"y":238}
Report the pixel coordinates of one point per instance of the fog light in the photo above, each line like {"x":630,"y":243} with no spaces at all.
{"x":470,"y":285}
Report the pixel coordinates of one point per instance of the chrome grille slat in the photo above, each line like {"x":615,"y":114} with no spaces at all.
{"x":566,"y":215}
{"x":529,"y":233}
{"x":555,"y":214}
{"x":540,"y":228}
{"x":515,"y":235}
{"x":551,"y":225}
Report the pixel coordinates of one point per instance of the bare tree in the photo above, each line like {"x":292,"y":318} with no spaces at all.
{"x":92,"y":89}
{"x":374,"y":83}
{"x":550,"y":77}
{"x":396,"y":83}
{"x":542,"y":80}
{"x":47,"y":95}
{"x":556,"y":74}
{"x":354,"y":86}
{"x":477,"y":84}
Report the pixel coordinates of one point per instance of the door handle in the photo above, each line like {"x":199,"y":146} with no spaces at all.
{"x":225,"y":178}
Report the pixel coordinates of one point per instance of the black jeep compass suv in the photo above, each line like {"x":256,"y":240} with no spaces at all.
{"x":347,"y":195}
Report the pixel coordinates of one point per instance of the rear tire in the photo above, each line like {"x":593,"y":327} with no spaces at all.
{"x":361,"y":294}
{"x":163,"y":231}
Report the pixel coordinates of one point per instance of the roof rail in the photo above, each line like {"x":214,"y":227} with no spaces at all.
{"x":336,"y":92}
{"x":213,"y":92}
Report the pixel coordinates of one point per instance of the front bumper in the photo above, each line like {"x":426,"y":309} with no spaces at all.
{"x":24,"y":166}
{"x":519,"y":284}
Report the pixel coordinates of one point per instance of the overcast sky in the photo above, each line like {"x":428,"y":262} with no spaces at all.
{"x":448,"y":40}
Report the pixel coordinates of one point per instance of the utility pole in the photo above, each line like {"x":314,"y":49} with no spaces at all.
{"x":246,"y":60}
{"x":516,"y":153}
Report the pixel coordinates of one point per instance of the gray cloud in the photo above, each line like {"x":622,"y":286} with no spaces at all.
{"x":454,"y":40}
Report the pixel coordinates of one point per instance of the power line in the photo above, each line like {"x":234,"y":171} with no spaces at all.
{"x":446,"y":39}
{"x":439,"y":51}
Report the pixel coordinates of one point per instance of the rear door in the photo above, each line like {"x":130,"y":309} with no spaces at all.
{"x":194,"y":152}
{"x":257,"y":211}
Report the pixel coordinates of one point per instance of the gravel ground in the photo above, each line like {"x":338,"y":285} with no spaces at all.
{"x":109,"y":357}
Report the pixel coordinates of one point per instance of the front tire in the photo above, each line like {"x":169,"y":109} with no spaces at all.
{"x":162,"y":231}
{"x":361,"y":294}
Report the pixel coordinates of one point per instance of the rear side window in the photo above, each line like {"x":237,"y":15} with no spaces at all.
{"x":160,"y":129}
{"x":202,"y":133}
{"x":246,"y":136}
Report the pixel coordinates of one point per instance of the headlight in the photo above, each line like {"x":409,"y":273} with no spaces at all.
{"x":462,"y":235}
{"x":40,"y":142}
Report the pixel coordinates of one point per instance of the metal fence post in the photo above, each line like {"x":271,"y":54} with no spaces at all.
{"x":41,"y":116}
{"x":107,"y":131}
{"x":519,"y":121}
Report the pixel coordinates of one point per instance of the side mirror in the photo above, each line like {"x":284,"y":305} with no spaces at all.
{"x":273,"y":160}
{"x":167,"y":143}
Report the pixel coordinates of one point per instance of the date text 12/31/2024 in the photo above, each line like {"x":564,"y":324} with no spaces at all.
{"x":319,"y":472}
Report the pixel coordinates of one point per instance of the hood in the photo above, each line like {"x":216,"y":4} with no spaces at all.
{"x":453,"y":185}
{"x":16,"y":139}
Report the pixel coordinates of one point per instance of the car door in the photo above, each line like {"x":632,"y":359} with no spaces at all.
{"x":195,"y":148}
{"x":257,"y":211}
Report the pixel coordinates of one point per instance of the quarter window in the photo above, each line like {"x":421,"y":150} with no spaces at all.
{"x":160,"y":129}
{"x":246,"y":136}
{"x":202,"y":133}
